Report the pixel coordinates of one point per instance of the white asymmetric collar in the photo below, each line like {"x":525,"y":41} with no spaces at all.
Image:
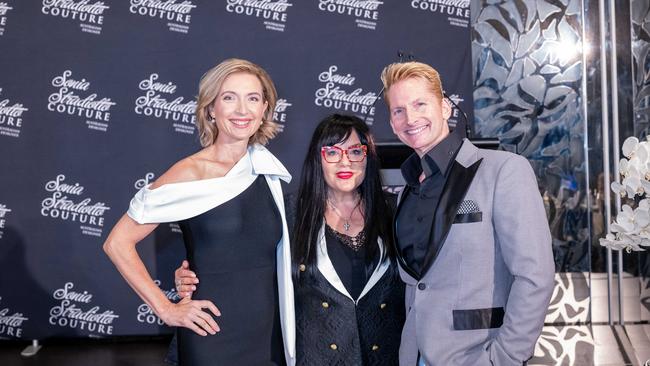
{"x":180,"y":201}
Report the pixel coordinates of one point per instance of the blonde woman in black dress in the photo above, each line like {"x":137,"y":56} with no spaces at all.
{"x":227,"y":199}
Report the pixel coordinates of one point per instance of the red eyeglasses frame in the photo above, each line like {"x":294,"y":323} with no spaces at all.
{"x":344,"y":152}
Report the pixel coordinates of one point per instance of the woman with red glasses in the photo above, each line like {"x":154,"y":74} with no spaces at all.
{"x":349,"y":298}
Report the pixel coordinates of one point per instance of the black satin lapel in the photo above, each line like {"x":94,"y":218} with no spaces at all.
{"x":398,"y":252}
{"x":453,"y":193}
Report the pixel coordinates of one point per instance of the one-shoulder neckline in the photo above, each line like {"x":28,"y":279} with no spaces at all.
{"x":230,"y":172}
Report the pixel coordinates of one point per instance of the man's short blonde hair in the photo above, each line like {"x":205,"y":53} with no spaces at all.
{"x":397,"y":72}
{"x":209,"y":88}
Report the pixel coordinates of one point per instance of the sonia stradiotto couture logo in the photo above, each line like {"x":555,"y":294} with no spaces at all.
{"x":65,"y":100}
{"x":4,"y":8}
{"x":280,"y":113}
{"x":74,"y":312}
{"x":365,"y":12}
{"x":66,"y":203}
{"x":154,"y":103}
{"x":11,"y":324}
{"x":11,"y":117}
{"x":175,"y":13}
{"x":338,"y":92}
{"x":455,"y":113}
{"x":456,"y":11}
{"x":272,"y":13}
{"x":90,"y":15}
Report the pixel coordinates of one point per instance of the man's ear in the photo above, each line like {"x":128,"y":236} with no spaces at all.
{"x":446,"y":109}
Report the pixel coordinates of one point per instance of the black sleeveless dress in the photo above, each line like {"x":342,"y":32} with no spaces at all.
{"x":232,"y":249}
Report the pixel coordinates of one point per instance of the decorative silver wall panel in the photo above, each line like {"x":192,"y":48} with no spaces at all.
{"x":640,"y":17}
{"x":537,"y":92}
{"x":640,"y":14}
{"x":528,"y":75}
{"x":528,"y":85}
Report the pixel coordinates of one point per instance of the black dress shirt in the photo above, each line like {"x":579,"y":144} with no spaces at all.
{"x":420,"y":199}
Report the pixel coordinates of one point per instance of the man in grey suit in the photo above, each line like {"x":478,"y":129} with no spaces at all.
{"x":472,"y":238}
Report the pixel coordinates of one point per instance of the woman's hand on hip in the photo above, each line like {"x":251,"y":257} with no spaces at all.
{"x":189,"y":313}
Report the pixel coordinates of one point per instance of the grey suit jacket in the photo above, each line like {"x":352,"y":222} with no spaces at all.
{"x":482,"y":297}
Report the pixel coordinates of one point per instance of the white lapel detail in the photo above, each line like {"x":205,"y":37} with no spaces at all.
{"x":266,"y":163}
{"x":326,"y":268}
{"x":379,"y":271}
{"x":285,"y":283}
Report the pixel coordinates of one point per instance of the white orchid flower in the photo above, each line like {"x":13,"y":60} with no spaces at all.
{"x":630,"y":229}
{"x":641,"y":219}
{"x":618,"y":188}
{"x":644,"y":144}
{"x":622,"y":166}
{"x":629,"y":146}
{"x":609,"y":240}
{"x":645,"y":184}
{"x":632,"y":185}
{"x":622,"y":241}
{"x":645,"y":235}
{"x":634,"y":243}
{"x":641,"y":152}
{"x":635,"y":167}
{"x":624,"y":221}
{"x":613,"y":242}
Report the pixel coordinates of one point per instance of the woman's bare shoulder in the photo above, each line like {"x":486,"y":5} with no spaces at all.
{"x":185,"y":170}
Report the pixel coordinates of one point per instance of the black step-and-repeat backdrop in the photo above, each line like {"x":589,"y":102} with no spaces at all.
{"x":97,"y":98}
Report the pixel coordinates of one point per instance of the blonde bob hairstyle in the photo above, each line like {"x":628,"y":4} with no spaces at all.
{"x":397,"y":72}
{"x":209,"y":88}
